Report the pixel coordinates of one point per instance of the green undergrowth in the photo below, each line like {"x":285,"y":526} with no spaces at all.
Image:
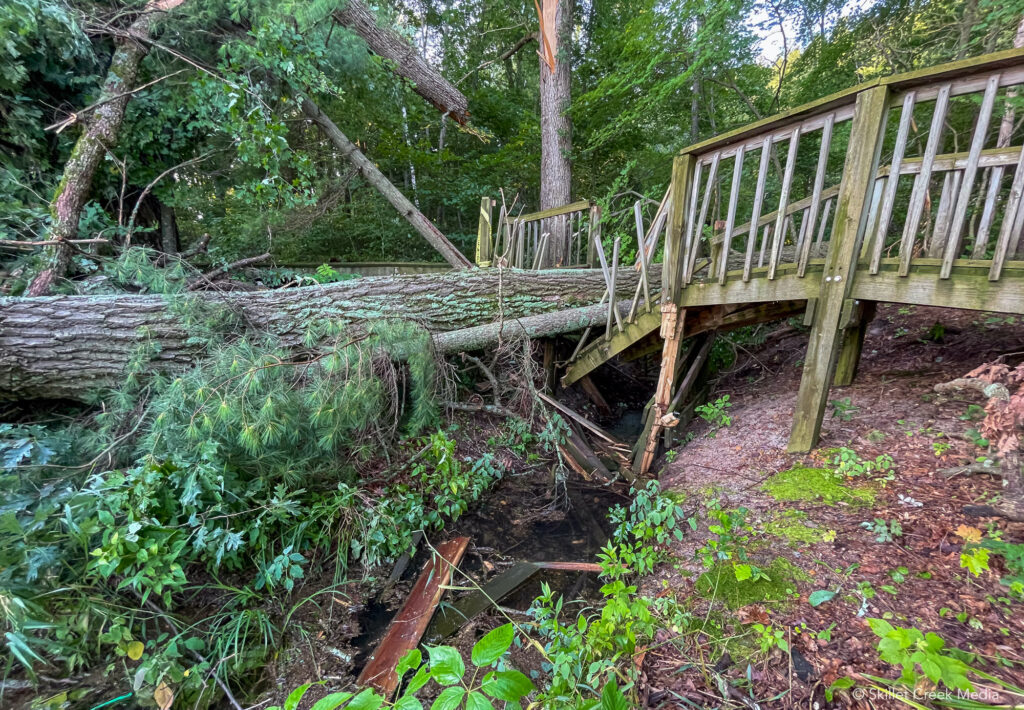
{"x":778,"y":583}
{"x":817,"y":484}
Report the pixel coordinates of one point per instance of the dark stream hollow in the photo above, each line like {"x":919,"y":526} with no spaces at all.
{"x":518,"y":523}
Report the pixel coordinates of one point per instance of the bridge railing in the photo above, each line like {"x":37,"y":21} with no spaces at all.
{"x":948,"y":173}
{"x":525,"y":241}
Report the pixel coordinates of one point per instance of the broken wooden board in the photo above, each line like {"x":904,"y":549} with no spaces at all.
{"x":408,"y":626}
{"x":453,"y":617}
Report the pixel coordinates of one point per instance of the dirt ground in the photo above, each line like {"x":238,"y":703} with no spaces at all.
{"x":916,"y":578}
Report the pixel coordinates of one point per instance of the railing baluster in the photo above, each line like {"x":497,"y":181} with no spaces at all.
{"x":699,"y":225}
{"x":1013,"y":222}
{"x":944,"y":214}
{"x":955,"y":241}
{"x":988,"y":212}
{"x":765,"y":234}
{"x":615,"y":273}
{"x":762,"y":176}
{"x":730,"y":219}
{"x":690,"y":227}
{"x":889,"y":197}
{"x":819,"y":183}
{"x":780,"y":222}
{"x":821,"y":229}
{"x":920,"y":190}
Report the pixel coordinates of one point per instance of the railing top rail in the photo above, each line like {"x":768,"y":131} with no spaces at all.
{"x":908,"y":80}
{"x":555,"y":211}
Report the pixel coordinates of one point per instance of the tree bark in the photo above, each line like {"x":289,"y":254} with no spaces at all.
{"x":409,"y":63}
{"x":99,"y":136}
{"x":70,"y":346}
{"x":169,"y":242}
{"x":391,"y":193}
{"x":556,"y":132}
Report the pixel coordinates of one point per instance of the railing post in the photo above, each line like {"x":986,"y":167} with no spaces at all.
{"x":484,"y":244}
{"x":673,"y":269}
{"x":852,"y":206}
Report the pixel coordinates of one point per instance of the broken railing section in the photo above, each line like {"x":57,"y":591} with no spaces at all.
{"x":523,"y":241}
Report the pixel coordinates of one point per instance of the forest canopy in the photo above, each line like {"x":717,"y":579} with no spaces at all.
{"x":215,"y":135}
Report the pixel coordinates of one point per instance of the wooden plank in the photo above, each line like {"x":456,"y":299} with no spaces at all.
{"x":892,"y":181}
{"x":611,"y":289}
{"x":579,"y":418}
{"x":595,"y":396}
{"x":571,"y":566}
{"x":451,"y":618}
{"x":862,"y":157}
{"x":974,"y":82}
{"x":780,"y":222}
{"x":483,"y":233}
{"x":601,"y":351}
{"x":707,"y":339}
{"x":954,"y":242}
{"x":730,"y":220}
{"x":920,"y":191}
{"x":990,"y":157}
{"x":593,"y":234}
{"x":968,"y":287}
{"x":853,"y":342}
{"x":762,"y":176}
{"x":1013,"y":215}
{"x":555,"y":211}
{"x":974,"y":69}
{"x":408,"y":626}
{"x":811,"y":217}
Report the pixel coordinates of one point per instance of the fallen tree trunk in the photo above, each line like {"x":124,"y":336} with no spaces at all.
{"x":408,"y":62}
{"x":391,"y":193}
{"x":69,"y":346}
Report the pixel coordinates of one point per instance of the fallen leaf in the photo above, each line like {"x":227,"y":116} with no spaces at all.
{"x":163,"y":696}
{"x":135,"y":649}
{"x":969,"y":534}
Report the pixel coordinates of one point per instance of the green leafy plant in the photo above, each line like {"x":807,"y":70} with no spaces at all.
{"x":884,"y":530}
{"x":849,"y":464}
{"x":446,"y":668}
{"x":843,"y":409}
{"x":714,"y":413}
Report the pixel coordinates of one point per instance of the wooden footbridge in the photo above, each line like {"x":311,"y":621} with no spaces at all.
{"x":906,"y":189}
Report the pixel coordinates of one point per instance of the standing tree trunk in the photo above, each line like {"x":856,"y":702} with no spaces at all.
{"x":99,"y":136}
{"x":555,"y":125}
{"x":169,"y":243}
{"x":391,"y":193}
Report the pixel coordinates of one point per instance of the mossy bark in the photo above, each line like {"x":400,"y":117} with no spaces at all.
{"x":69,"y":346}
{"x":100,"y":135}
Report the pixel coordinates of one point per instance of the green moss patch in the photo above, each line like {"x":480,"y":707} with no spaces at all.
{"x":813,"y":484}
{"x":790,"y":526}
{"x":720,"y":583}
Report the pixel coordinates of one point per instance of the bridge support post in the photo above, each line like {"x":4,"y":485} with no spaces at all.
{"x":672,"y":317}
{"x":861,"y":315}
{"x":852,"y":205}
